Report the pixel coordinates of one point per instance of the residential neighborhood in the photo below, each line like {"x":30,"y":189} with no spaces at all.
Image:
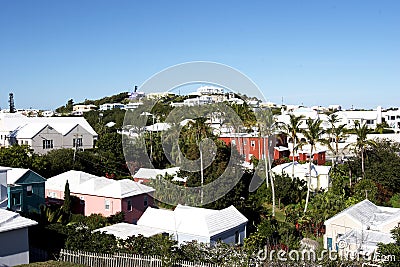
{"x":199,"y":133}
{"x":116,"y":201}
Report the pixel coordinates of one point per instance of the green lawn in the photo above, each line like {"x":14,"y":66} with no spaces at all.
{"x":51,"y":264}
{"x":279,"y":213}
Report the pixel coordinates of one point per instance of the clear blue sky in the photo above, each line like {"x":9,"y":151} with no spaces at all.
{"x":310,"y":52}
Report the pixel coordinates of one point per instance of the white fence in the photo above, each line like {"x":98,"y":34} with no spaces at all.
{"x":123,"y":259}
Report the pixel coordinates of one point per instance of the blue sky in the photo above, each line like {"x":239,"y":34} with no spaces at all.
{"x":310,"y":52}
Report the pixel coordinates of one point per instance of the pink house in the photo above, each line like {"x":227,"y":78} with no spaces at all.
{"x":103,"y":195}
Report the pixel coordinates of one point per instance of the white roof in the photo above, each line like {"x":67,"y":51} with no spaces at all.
{"x":159,"y":126}
{"x":126,"y":230}
{"x":28,"y":130}
{"x":88,"y":184}
{"x":147,"y":173}
{"x":369,"y":215}
{"x":13,"y":174}
{"x":316,"y":170}
{"x":366,"y":240}
{"x":11,"y":221}
{"x":11,"y":121}
{"x":192,"y":220}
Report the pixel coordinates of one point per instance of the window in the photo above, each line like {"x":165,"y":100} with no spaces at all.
{"x":47,"y":144}
{"x":82,"y":200}
{"x":16,"y":199}
{"x":77,"y":142}
{"x":233,"y":142}
{"x":29,"y":190}
{"x":129,"y":205}
{"x":107,"y":205}
{"x":244,"y":142}
{"x":145,"y":201}
{"x":253,"y":143}
{"x":52,"y":194}
{"x":237,"y":237}
{"x":392,"y":118}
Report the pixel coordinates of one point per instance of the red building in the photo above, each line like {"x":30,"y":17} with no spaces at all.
{"x":318,"y":157}
{"x":250,"y":145}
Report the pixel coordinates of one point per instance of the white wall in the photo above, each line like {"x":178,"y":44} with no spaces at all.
{"x":14,"y":247}
{"x":3,"y":185}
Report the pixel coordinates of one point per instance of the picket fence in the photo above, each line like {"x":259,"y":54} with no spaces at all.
{"x":123,"y":259}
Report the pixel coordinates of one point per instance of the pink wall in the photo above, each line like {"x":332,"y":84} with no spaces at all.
{"x":97,"y":204}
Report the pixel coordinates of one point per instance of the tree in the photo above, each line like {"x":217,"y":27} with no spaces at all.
{"x":292,"y":129}
{"x":313,"y":136}
{"x":362,"y":142}
{"x":67,"y":199}
{"x":267,"y":127}
{"x":336,"y":133}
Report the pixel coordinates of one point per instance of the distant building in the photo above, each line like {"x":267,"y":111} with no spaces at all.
{"x":43,"y":134}
{"x":103,"y":195}
{"x":111,"y":106}
{"x":83,"y":108}
{"x":320,"y":178}
{"x":144,"y":175}
{"x":250,"y":144}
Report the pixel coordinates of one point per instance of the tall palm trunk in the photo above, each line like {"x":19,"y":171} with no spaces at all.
{"x":271,"y":178}
{"x":362,"y":163}
{"x":294,"y":145}
{"x":266,"y":157}
{"x":308,"y":181}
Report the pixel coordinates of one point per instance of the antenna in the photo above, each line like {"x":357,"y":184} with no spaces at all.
{"x":11,"y":101}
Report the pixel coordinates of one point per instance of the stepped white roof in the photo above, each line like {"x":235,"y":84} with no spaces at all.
{"x":193,"y":220}
{"x":147,"y":173}
{"x":88,"y":184}
{"x":11,"y":221}
{"x":369,"y":215}
{"x":126,"y":230}
{"x":12,"y":121}
{"x":316,"y":170}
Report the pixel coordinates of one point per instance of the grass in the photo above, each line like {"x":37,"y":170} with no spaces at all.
{"x":279,"y":213}
{"x":51,"y":264}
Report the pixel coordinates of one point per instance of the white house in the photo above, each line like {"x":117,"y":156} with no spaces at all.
{"x":362,"y":225}
{"x":209,"y":226}
{"x":43,"y":134}
{"x":126,"y":230}
{"x":3,"y":187}
{"x":319,"y":174}
{"x":110,"y":106}
{"x":147,"y":174}
{"x":14,"y":245}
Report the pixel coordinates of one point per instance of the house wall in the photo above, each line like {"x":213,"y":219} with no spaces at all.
{"x":78,"y":132}
{"x":339,"y":226}
{"x":228,"y":237}
{"x":389,"y":226}
{"x":3,"y":185}
{"x":93,"y":204}
{"x":14,"y":247}
{"x":48,"y":133}
{"x":138,"y":207}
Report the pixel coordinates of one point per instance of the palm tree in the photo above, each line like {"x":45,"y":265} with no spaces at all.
{"x":313,"y":136}
{"x":267,"y":126}
{"x":362,"y":142}
{"x":292,"y":129}
{"x":336,"y":133}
